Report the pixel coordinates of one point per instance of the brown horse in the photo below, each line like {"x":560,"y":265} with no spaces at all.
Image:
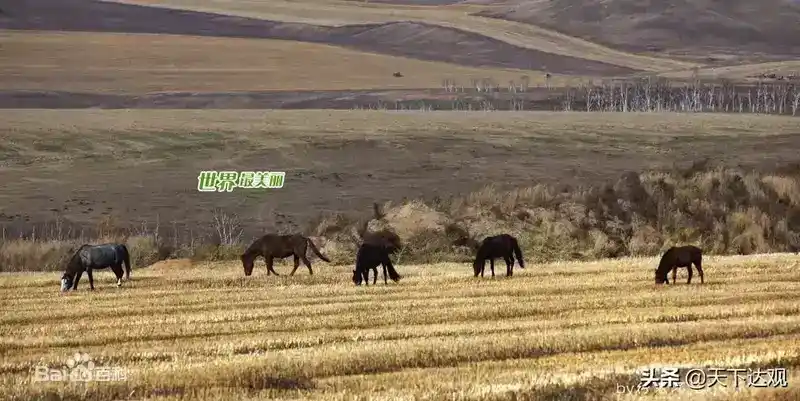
{"x":369,"y":256}
{"x":679,"y":256}
{"x":500,"y":246}
{"x":273,"y":246}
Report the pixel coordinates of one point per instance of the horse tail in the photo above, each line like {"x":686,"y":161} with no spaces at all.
{"x":393,"y":274}
{"x":126,"y":257}
{"x":316,"y":251}
{"x":517,"y":252}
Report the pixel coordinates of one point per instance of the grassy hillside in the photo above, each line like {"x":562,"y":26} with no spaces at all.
{"x":577,"y":331}
{"x":572,"y":185}
{"x":103,"y":63}
{"x":414,"y":39}
{"x":79,"y":164}
{"x":708,"y":28}
{"x":344,"y":13}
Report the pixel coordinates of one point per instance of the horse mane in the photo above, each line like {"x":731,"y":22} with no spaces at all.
{"x":482,"y":248}
{"x":666,"y":259}
{"x":253,"y":249}
{"x":76,"y":256}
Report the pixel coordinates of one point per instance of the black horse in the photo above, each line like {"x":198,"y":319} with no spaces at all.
{"x":92,"y":257}
{"x":499,"y":246}
{"x":679,"y":256}
{"x":369,"y":256}
{"x":273,"y":246}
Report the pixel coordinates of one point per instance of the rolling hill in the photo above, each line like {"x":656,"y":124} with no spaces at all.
{"x":102,"y":63}
{"x":730,"y":29}
{"x":413,"y":39}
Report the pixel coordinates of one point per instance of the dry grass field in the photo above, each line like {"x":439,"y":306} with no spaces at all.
{"x":133,"y":165}
{"x":571,"y":186}
{"x":134,"y":54}
{"x":103,"y":63}
{"x":566,"y":331}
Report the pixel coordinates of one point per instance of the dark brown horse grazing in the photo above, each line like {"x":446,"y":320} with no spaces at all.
{"x":679,"y":256}
{"x":273,"y":246}
{"x":500,"y":246}
{"x":369,"y":256}
{"x":92,"y":257}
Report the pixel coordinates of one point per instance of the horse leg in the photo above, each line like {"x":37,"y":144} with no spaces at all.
{"x":270,"y":260}
{"x":509,"y":267}
{"x":674,"y":273}
{"x":308,"y":264}
{"x":77,"y":278}
{"x":118,"y":272}
{"x":374,"y":274}
{"x":699,"y":270}
{"x":689,"y":268}
{"x":296,"y":265}
{"x":91,"y":279}
{"x":491,"y":264}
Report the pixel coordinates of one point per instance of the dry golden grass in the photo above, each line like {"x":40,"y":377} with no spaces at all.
{"x":151,"y":134}
{"x":103,"y":62}
{"x":338,"y":13}
{"x":571,"y":329}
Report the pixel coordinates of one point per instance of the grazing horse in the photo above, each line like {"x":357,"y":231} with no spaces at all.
{"x":679,"y":256}
{"x":91,"y":257}
{"x":500,"y":246}
{"x":273,"y":246}
{"x":369,"y":256}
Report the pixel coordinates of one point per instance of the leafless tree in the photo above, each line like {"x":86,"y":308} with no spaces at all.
{"x":524,"y":83}
{"x":227,"y":228}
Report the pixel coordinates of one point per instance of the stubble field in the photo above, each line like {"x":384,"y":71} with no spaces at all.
{"x":572,"y":331}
